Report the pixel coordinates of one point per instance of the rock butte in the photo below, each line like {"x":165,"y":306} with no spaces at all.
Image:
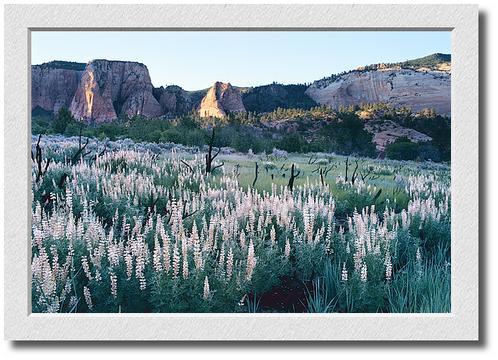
{"x":109,"y":88}
{"x":221,"y":99}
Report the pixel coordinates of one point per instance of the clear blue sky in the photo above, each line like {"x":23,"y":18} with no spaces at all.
{"x":196,"y":59}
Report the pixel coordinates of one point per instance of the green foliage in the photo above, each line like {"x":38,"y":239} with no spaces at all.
{"x":294,"y":143}
{"x":402,"y":149}
{"x":317,"y":300}
{"x":299,"y":130}
{"x":347,"y":135}
{"x":66,"y":65}
{"x":430,"y":61}
{"x":62,"y":120}
{"x":268,"y":98}
{"x":429,"y":293}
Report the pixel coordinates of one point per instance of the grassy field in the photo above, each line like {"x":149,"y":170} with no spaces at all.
{"x":124,"y":227}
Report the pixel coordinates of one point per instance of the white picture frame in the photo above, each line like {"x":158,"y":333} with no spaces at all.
{"x":463,"y":321}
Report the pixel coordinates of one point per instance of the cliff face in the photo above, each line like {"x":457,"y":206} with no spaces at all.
{"x":110,"y":88}
{"x":174,"y":100}
{"x":220,"y":100}
{"x":418,"y":89}
{"x":53,"y":85}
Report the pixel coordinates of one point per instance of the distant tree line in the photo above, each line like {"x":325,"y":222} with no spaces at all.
{"x":340,"y":131}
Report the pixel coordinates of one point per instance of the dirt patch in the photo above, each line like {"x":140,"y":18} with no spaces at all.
{"x":288,"y":297}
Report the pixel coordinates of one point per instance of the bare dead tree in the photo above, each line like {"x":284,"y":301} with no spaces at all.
{"x":256,"y":172}
{"x":187,"y":165}
{"x":327,"y":170}
{"x":312,"y":159}
{"x":293,"y":177}
{"x":322,"y":180}
{"x":210,"y":157}
{"x":41,"y":169}
{"x":100,"y":154}
{"x":347,"y":167}
{"x":364,"y":175}
{"x":80,"y":153}
{"x":185,"y":214}
{"x":152,"y":202}
{"x":62,"y":180}
{"x":166,"y":211}
{"x":355,"y":175}
{"x":217,"y":166}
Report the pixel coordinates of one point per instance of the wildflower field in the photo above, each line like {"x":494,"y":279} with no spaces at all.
{"x":125,"y":227}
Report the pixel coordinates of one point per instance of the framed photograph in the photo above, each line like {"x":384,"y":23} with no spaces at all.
{"x":241,"y":172}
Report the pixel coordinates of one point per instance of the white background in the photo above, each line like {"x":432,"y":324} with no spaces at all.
{"x":486,"y":349}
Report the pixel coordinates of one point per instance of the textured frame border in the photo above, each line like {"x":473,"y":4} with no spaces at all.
{"x":460,"y":324}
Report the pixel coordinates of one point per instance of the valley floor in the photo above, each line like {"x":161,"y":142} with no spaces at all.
{"x":125,"y":227}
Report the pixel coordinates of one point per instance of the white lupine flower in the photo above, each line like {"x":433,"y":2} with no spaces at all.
{"x":251,"y":261}
{"x":185,"y":271}
{"x":86,"y":267}
{"x":176,"y":262}
{"x":363,"y":273}
{"x":272,"y":235}
{"x":206,"y":289}
{"x":157,"y":256}
{"x":221,"y":260}
{"x":229,"y":264}
{"x":242,"y":240}
{"x":197,"y":248}
{"x":344,"y":272}
{"x":114,"y":285}
{"x":287,"y":248}
{"x":88,"y":297}
{"x":389,"y":266}
{"x":129,"y":265}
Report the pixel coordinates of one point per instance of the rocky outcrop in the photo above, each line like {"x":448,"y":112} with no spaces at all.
{"x":174,"y":100}
{"x":386,"y":132}
{"x":414,"y":88}
{"x":111,"y":88}
{"x":53,"y":84}
{"x":220,"y":100}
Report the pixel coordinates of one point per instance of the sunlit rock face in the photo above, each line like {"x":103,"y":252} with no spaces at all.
{"x":414,"y":88}
{"x":220,"y":100}
{"x":53,"y":87}
{"x":109,"y":89}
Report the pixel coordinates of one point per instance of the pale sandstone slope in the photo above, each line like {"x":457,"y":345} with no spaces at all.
{"x":416,"y":89}
{"x":220,"y":100}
